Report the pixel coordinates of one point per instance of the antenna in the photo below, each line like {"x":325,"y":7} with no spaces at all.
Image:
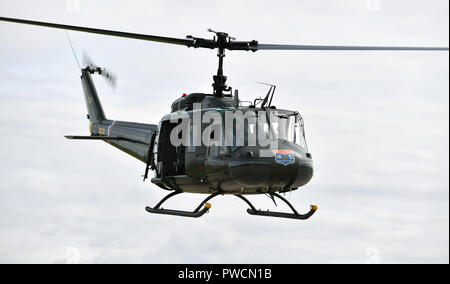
{"x":236,"y":98}
{"x":269,"y":94}
{"x":73,"y":50}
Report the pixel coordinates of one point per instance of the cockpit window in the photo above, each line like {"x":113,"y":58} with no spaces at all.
{"x":290,"y":128}
{"x":286,"y":126}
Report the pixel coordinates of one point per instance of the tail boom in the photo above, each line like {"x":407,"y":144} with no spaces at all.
{"x":131,"y":137}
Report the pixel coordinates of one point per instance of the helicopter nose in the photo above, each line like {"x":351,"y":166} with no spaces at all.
{"x":285,"y":168}
{"x":305,"y":173}
{"x":293,"y":168}
{"x":250,"y":173}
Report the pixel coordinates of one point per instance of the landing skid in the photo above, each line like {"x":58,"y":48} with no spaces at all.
{"x":198,"y":212}
{"x":204,"y":207}
{"x":295,"y":215}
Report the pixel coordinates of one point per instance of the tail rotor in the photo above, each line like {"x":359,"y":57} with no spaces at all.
{"x":109,"y":76}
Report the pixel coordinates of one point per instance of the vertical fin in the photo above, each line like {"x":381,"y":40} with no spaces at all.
{"x":93,"y":105}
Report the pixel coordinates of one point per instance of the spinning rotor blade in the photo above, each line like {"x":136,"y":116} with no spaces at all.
{"x":330,"y":47}
{"x":87,"y":62}
{"x":109,"y":76}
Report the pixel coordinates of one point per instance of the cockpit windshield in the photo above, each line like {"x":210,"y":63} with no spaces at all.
{"x":276,"y":125}
{"x":290,"y":128}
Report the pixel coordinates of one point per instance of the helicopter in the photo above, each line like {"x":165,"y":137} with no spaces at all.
{"x":235,"y":167}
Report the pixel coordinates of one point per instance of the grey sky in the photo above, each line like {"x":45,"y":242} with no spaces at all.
{"x":377,"y":126}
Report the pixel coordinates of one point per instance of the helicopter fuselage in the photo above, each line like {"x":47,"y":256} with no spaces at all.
{"x":204,"y":168}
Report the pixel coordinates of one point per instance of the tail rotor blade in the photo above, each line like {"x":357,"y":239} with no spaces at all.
{"x":110,"y":77}
{"x":87,"y":62}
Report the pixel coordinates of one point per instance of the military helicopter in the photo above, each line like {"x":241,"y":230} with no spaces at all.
{"x":212,"y":169}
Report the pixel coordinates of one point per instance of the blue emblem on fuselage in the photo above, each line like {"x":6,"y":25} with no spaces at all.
{"x":284,"y":157}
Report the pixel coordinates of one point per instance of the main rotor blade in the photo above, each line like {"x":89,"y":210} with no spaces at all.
{"x":185,"y":42}
{"x":205,"y":43}
{"x":330,"y":47}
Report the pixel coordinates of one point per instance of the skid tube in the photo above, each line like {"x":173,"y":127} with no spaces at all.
{"x":198,"y":212}
{"x":295,"y":215}
{"x":204,"y":207}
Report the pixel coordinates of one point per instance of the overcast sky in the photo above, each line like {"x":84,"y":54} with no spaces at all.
{"x":377,"y":127}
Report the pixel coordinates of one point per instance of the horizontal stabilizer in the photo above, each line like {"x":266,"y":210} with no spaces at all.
{"x":92,"y":137}
{"x":74,"y":137}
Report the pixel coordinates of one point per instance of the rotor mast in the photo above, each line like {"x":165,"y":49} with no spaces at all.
{"x":220,"y":80}
{"x":221,"y":41}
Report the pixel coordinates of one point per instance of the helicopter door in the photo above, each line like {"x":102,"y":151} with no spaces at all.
{"x":215,"y":163}
{"x":171,"y":159}
{"x":195,"y":159}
